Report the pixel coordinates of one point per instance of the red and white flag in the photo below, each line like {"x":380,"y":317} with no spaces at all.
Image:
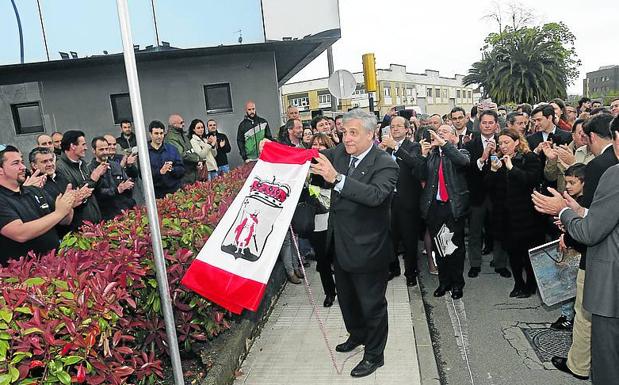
{"x":235,"y":264}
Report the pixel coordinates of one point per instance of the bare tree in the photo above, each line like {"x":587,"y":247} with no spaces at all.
{"x":515,"y":16}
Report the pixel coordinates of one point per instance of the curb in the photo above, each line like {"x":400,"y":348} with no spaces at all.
{"x":242,"y":335}
{"x":428,"y":369}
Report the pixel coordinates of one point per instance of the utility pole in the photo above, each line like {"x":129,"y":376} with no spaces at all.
{"x":152,"y":4}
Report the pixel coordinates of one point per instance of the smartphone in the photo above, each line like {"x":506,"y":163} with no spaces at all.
{"x":385,"y":131}
{"x":427,"y":136}
{"x":494,"y":158}
{"x":134,"y":150}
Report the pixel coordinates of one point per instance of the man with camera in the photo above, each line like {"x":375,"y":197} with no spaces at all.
{"x":114,"y":192}
{"x":444,"y":204}
{"x":165,"y":162}
{"x":480,"y":148}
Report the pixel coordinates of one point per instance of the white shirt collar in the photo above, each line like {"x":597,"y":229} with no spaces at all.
{"x":362,"y":155}
{"x":605,"y":148}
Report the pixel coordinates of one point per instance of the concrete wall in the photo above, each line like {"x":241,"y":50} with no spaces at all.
{"x":80,"y":98}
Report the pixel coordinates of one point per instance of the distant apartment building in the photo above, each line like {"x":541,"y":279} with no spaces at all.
{"x":427,"y":92}
{"x":602,"y":83}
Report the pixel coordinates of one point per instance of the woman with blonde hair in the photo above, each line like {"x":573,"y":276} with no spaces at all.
{"x":511,"y":176}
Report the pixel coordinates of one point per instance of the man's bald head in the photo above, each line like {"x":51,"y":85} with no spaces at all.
{"x":250,"y":109}
{"x":175,"y":120}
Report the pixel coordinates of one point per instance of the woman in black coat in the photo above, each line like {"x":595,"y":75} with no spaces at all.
{"x":512,"y":175}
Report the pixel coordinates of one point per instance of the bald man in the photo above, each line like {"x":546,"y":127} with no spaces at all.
{"x":45,"y":140}
{"x":251,"y":131}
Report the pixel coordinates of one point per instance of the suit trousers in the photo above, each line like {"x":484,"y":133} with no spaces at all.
{"x":450,"y":267}
{"x":604,"y":350}
{"x":405,"y":229}
{"x":579,"y":356}
{"x":364,"y":308}
{"x":324,"y":259}
{"x":477,"y":220}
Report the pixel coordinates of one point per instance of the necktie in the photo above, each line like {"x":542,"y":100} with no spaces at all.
{"x":442,"y":187}
{"x":352,"y":166}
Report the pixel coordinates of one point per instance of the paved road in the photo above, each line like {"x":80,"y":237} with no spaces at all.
{"x":480,"y":339}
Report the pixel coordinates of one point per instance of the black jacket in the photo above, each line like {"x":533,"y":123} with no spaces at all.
{"x":514,"y":219}
{"x":455,"y":164}
{"x":110,"y":201}
{"x":408,"y":186}
{"x":593,"y":172}
{"x":559,"y":137}
{"x":359,"y":217}
{"x":171,"y":181}
{"x":126,"y":143}
{"x":475,"y":176}
{"x":78,"y":174}
{"x":222,"y":152}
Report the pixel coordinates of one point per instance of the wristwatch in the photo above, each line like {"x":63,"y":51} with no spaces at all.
{"x":338,"y":178}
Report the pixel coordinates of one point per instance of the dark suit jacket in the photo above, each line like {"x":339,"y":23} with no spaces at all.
{"x":408,"y":186}
{"x":359,"y":215}
{"x":475,"y":176}
{"x":599,"y":230}
{"x":559,"y":137}
{"x":593,"y":172}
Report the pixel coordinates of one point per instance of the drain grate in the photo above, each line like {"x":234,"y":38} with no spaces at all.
{"x":548,"y":342}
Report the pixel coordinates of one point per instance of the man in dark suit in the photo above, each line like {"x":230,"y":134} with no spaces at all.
{"x":444,"y":205}
{"x":405,"y":213}
{"x":599,"y":230}
{"x":480,"y":148}
{"x":363,"y":179}
{"x":601,"y":145}
{"x":546,"y":135}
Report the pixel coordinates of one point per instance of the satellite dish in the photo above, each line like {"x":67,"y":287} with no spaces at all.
{"x":342,"y":84}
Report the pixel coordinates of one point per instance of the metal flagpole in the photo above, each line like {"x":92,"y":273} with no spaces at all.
{"x":147,"y":181}
{"x":43,"y":29}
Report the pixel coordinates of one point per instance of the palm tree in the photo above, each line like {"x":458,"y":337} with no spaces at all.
{"x":524,"y":65}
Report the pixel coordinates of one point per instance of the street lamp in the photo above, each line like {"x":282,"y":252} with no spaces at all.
{"x":21,"y":35}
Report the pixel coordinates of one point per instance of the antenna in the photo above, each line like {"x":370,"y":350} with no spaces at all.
{"x":240,"y":39}
{"x":43,"y":29}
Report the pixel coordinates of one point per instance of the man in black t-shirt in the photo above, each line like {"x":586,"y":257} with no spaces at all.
{"x":27,"y":214}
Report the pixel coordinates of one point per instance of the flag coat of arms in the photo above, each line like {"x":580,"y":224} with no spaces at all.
{"x":235,"y":264}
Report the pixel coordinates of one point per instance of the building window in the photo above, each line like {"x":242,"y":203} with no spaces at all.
{"x":458,"y":94}
{"x":324,"y":98}
{"x":470,"y":95}
{"x":429,"y":92}
{"x":218,"y":98}
{"x":437,"y":92}
{"x":387,"y":91}
{"x":27,"y":118}
{"x":409,"y":92}
{"x":302,"y":102}
{"x":121,"y":108}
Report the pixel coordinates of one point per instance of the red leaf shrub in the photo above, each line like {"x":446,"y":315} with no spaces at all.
{"x":91,"y":313}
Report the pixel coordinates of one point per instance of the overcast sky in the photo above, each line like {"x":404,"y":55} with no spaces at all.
{"x":447,"y":35}
{"x":435,"y":34}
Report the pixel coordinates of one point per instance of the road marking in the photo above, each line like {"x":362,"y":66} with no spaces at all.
{"x":457,"y":315}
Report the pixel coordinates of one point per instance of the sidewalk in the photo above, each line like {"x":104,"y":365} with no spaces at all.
{"x":291,"y":349}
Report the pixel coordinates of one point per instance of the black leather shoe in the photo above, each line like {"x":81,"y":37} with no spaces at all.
{"x":516,"y":292}
{"x":474,"y":272}
{"x":411,"y":281}
{"x":328,"y":301}
{"x":440,"y":291}
{"x":561,"y":364}
{"x":456,"y":293}
{"x":347,"y":346}
{"x":503,"y":272}
{"x":366,"y":367}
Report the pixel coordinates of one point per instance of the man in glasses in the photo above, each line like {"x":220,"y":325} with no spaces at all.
{"x":28,"y":215}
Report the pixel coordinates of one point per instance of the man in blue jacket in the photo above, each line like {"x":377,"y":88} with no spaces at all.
{"x":165,"y":162}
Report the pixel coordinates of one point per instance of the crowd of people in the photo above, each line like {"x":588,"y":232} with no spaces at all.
{"x":465,"y":183}
{"x":489,"y":173}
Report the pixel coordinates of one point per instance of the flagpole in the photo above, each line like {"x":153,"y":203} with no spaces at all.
{"x":147,"y":182}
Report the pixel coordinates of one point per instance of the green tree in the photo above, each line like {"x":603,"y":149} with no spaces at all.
{"x":528,"y":64}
